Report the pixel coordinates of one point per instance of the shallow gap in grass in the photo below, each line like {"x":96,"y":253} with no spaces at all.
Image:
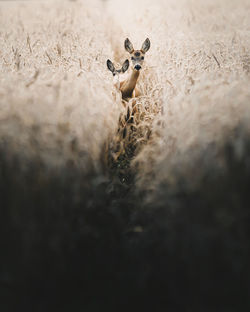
{"x":123,"y":147}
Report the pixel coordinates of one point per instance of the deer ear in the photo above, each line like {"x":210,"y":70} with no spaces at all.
{"x":128,"y":46}
{"x":110,"y":66}
{"x":145,"y":46}
{"x":125,"y":66}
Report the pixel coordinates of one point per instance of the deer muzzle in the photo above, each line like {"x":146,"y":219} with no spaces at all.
{"x":137,"y":67}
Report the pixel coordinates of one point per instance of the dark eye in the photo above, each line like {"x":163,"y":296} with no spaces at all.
{"x":142,"y":57}
{"x":132,"y":58}
{"x":113,"y":74}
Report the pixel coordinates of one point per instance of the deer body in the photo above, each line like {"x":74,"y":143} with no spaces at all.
{"x":128,"y":86}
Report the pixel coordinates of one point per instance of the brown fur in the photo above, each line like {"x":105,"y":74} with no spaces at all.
{"x":128,"y":87}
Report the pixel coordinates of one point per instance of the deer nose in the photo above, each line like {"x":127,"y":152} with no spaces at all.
{"x":137,"y":67}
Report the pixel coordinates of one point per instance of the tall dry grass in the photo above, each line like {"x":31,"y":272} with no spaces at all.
{"x":54,"y":79}
{"x":53,"y":73}
{"x":200,"y":62}
{"x":95,"y":217}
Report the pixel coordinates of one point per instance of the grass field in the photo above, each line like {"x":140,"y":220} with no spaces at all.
{"x":154,"y":217}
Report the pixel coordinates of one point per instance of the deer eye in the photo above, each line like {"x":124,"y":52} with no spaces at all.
{"x":142,"y":57}
{"x":113,"y":74}
{"x":132,"y":58}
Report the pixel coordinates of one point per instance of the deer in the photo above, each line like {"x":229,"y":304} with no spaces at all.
{"x":116,"y":72}
{"x":128,"y":86}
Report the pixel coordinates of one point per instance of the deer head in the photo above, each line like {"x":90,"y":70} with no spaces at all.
{"x":116,"y":72}
{"x":137,"y":56}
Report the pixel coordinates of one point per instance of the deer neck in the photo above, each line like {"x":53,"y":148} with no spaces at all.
{"x":128,"y":86}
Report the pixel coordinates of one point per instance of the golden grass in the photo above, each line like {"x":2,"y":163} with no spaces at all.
{"x":54,"y":77}
{"x":55,"y":88}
